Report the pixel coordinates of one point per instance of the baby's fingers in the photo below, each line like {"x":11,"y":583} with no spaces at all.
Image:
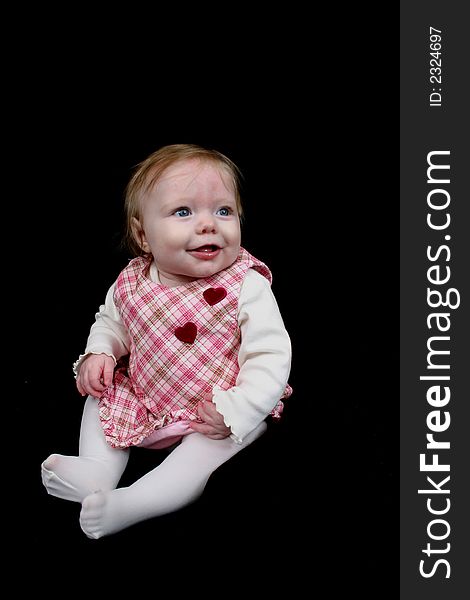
{"x":202,"y":428}
{"x":215,"y":433}
{"x":92,"y":385}
{"x":108,"y":373}
{"x":80,"y":388}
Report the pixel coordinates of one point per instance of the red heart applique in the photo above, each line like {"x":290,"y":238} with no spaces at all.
{"x":214,"y":295}
{"x":187,"y":333}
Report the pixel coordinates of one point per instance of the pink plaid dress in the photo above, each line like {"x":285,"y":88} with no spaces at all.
{"x":184,"y":341}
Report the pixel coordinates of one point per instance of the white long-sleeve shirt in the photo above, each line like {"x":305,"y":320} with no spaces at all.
{"x":264,"y":357}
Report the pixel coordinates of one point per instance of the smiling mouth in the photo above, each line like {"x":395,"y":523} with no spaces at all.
{"x":206,"y":248}
{"x":205,"y":252}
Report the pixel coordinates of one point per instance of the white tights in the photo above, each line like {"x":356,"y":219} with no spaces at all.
{"x":91,"y":477}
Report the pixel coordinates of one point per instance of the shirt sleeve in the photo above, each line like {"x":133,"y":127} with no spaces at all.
{"x":108,"y":334}
{"x":264,"y":359}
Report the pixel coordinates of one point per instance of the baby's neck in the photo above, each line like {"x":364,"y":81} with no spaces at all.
{"x":168,"y":280}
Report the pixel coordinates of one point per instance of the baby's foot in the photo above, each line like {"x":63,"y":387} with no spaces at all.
{"x":104,"y":513}
{"x":93,"y":515}
{"x":71,"y":477}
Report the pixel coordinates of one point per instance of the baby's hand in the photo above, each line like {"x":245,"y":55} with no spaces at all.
{"x":95,"y":374}
{"x":213,"y":426}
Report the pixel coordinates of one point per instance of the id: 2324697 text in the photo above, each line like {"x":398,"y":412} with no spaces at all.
{"x":435,"y":66}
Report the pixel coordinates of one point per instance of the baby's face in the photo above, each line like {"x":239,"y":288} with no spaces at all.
{"x":190,"y":222}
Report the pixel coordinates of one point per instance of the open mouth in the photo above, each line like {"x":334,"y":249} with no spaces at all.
{"x":206,"y":248}
{"x":205,"y":252}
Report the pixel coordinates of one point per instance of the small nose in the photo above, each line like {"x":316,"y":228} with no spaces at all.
{"x":206,"y":224}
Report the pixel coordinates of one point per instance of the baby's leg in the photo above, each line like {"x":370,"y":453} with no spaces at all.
{"x":98,"y":466}
{"x":176,"y":482}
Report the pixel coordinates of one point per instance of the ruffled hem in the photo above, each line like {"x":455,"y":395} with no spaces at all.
{"x":132,"y":434}
{"x":125,"y":439}
{"x":277,"y":411}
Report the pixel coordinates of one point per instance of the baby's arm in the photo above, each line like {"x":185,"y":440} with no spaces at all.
{"x":107,"y":342}
{"x":264,"y":358}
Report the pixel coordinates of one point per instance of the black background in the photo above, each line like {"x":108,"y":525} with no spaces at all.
{"x":315,"y":498}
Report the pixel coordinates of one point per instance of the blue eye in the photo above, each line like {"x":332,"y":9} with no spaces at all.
{"x":225,"y":211}
{"x":182,"y":212}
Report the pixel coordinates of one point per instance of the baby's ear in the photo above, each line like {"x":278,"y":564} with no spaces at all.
{"x":139,"y":234}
